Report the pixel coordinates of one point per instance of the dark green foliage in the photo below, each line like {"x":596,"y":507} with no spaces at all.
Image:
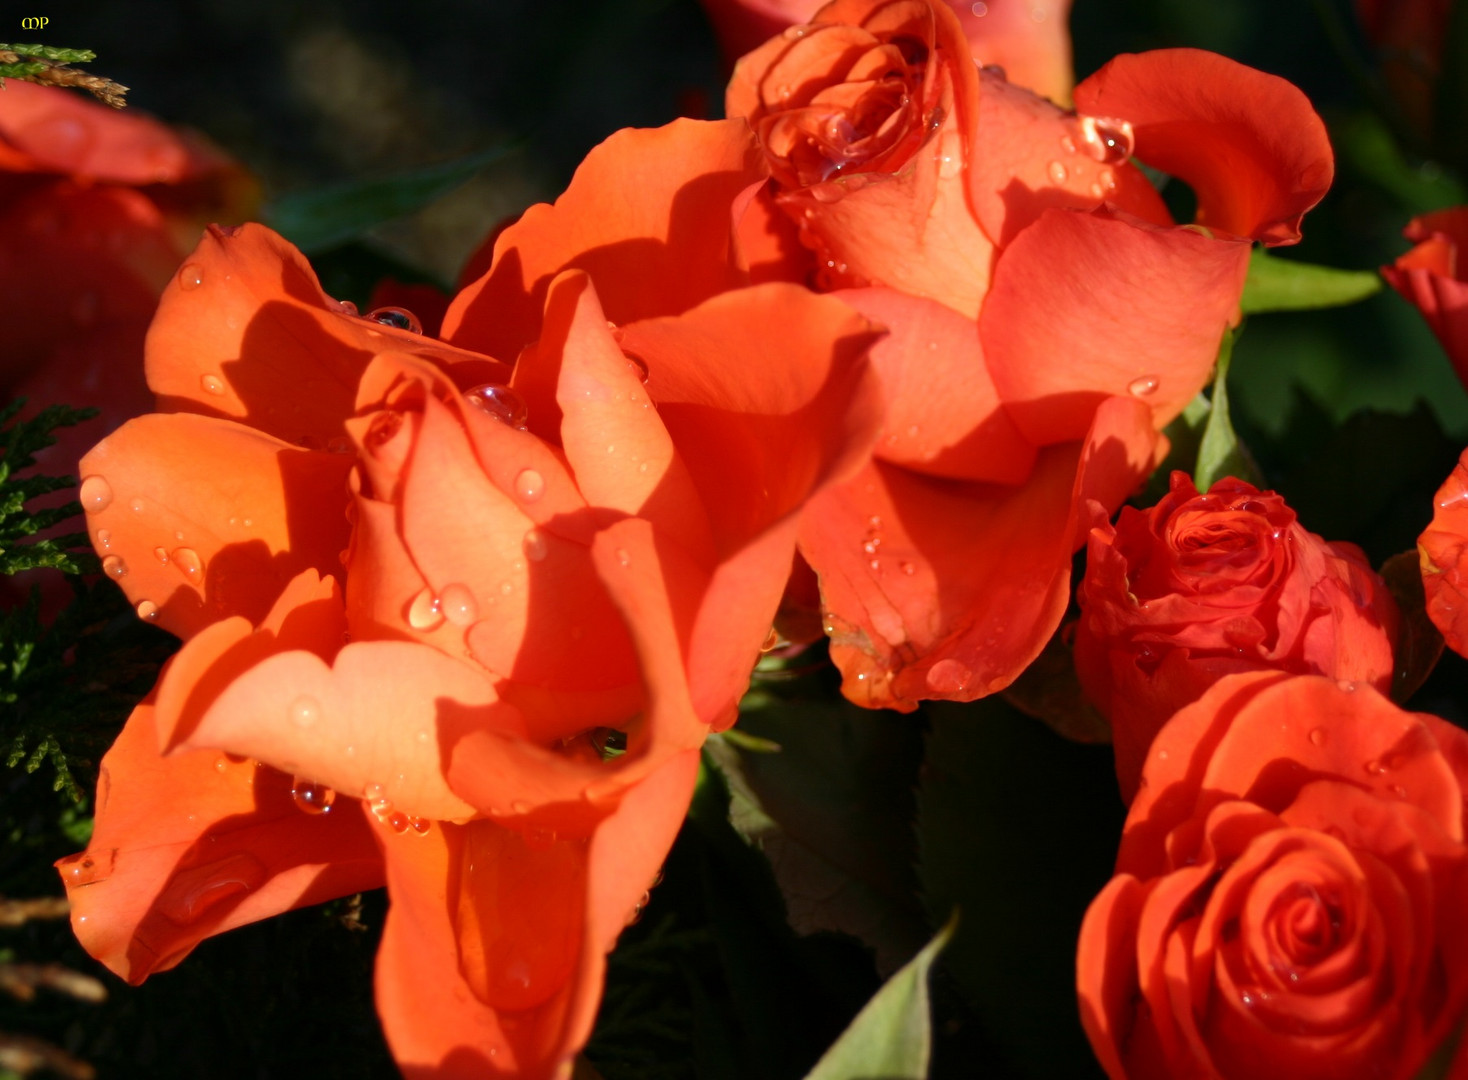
{"x":51,"y":52}
{"x":21,"y":440}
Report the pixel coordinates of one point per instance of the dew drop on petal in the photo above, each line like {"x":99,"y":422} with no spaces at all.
{"x":1108,"y":141}
{"x":529,"y":485}
{"x":88,"y":867}
{"x":136,"y":506}
{"x":1143,"y":386}
{"x":95,"y":495}
{"x":311,"y":797}
{"x":187,"y":560}
{"x":1317,"y":736}
{"x":979,"y":9}
{"x":190,"y":276}
{"x":948,"y":677}
{"x":160,"y":554}
{"x":458,"y":604}
{"x":305,"y":711}
{"x":147,"y":610}
{"x":1056,"y":171}
{"x":114,"y":567}
{"x":424,"y":612}
{"x":500,"y":402}
{"x":396,"y":317}
{"x":623,"y":558}
{"x":212,"y":384}
{"x":104,"y":537}
{"x":534,"y":545}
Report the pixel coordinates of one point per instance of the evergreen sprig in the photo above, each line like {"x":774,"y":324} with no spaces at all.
{"x":49,"y":66}
{"x":21,"y":440}
{"x":65,"y":685}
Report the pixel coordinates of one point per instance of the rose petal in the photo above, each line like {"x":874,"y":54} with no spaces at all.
{"x":613,"y":221}
{"x":944,"y":416}
{"x":191,"y":845}
{"x":884,"y":541}
{"x":245,"y":331}
{"x":377,"y":723}
{"x":222,"y":503}
{"x":1254,"y":151}
{"x":433,"y":1019}
{"x":1085,"y":306}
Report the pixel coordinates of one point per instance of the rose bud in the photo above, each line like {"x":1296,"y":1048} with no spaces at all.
{"x":1202,"y":586}
{"x":1429,"y":277}
{"x":1288,"y":892}
{"x":1440,"y":549}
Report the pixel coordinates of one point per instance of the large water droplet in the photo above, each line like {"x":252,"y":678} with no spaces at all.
{"x":114,"y":567}
{"x":193,"y":893}
{"x":1107,"y":140}
{"x":190,"y":276}
{"x":979,"y":10}
{"x":187,"y":560}
{"x":500,"y":402}
{"x":212,"y":384}
{"x":424,"y":612}
{"x":95,"y":494}
{"x":396,"y":317}
{"x":305,"y":711}
{"x":948,"y":677}
{"x":458,"y":604}
{"x":147,"y":610}
{"x":529,"y":485}
{"x":1143,"y":386}
{"x":534,"y":545}
{"x":87,"y":868}
{"x":311,"y":797}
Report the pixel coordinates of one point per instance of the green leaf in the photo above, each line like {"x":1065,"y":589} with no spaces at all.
{"x":832,"y":811}
{"x":1365,"y":145}
{"x":51,"y":52}
{"x":321,"y":219}
{"x":1276,"y":284}
{"x":891,"y":1038}
{"x":1018,"y":828}
{"x":1220,"y":453}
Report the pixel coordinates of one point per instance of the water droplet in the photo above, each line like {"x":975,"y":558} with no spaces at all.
{"x":212,"y":384}
{"x":104,"y":537}
{"x":950,"y":165}
{"x":160,"y":555}
{"x":909,"y":569}
{"x":419,"y":825}
{"x":948,"y":677}
{"x":114,"y":567}
{"x":88,"y":867}
{"x":1317,"y":736}
{"x":1399,"y":791}
{"x":979,"y":10}
{"x":793,"y":33}
{"x":346,"y":307}
{"x":305,"y":711}
{"x":95,"y":495}
{"x":187,"y":560}
{"x":1056,"y":172}
{"x":147,"y":610}
{"x":221,"y":764}
{"x":190,"y":276}
{"x":194,"y":892}
{"x":458,"y":604}
{"x":396,"y":317}
{"x":136,"y":506}
{"x":1143,"y":386}
{"x":1346,"y":685}
{"x":1108,"y":141}
{"x":1162,"y":755}
{"x":1374,"y":768}
{"x":500,"y":402}
{"x":623,"y":558}
{"x":529,"y":485}
{"x":995,"y":71}
{"x":534,"y":545}
{"x":311,"y":797}
{"x":1067,"y":144}
{"x":424,"y":612}
{"x":519,"y":806}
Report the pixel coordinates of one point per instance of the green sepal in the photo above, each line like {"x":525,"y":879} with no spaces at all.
{"x":1276,"y":284}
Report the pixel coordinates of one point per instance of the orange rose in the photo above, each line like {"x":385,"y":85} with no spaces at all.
{"x":1288,"y":892}
{"x":553,"y":582}
{"x":1046,"y":315}
{"x":1202,"y":586}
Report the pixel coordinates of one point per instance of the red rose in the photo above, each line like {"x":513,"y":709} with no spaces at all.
{"x":1431,"y":277}
{"x":1289,"y":892}
{"x":1202,"y":586}
{"x":1441,"y":551}
{"x":1047,"y":316}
